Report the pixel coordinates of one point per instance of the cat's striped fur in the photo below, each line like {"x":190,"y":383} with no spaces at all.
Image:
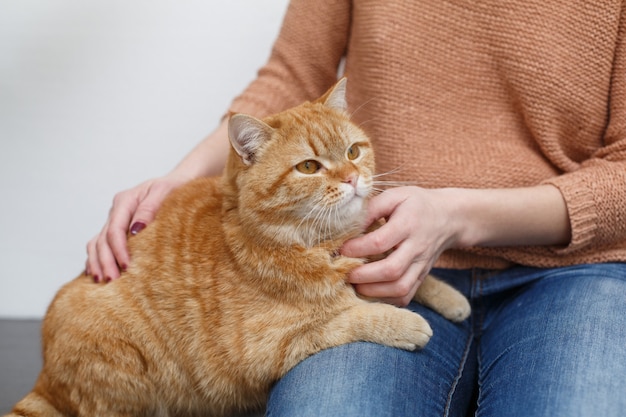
{"x":236,"y":281}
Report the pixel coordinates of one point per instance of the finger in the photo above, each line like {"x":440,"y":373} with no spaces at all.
{"x":117,"y":228}
{"x":399,"y":292}
{"x":379,"y":241}
{"x":147,"y":209}
{"x":383,"y":238}
{"x":387,"y":269}
{"x":382,"y":206}
{"x":93,"y":266}
{"x":106,"y":259}
{"x":145,"y":214}
{"x":121,"y":225}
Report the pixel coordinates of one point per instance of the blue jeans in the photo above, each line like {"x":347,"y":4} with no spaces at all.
{"x":540,"y":342}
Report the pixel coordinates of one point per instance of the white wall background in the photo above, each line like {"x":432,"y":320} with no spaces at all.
{"x":95,"y":97}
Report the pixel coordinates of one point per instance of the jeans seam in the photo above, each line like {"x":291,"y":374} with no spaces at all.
{"x":457,"y":379}
{"x":478,"y":278}
{"x":464,"y":358}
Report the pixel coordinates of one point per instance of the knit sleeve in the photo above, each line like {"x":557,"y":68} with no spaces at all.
{"x":595,"y":193}
{"x":304,"y":59}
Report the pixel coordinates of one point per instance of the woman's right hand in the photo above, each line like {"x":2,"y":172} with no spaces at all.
{"x":135,"y":208}
{"x":132,"y":211}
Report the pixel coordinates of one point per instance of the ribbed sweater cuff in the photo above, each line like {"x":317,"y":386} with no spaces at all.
{"x":582,"y":211}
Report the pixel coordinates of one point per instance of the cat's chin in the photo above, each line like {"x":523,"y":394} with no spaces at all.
{"x":354,"y":208}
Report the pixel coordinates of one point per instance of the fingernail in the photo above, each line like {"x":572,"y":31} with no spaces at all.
{"x":96,"y":279}
{"x":124,"y":267}
{"x":137,"y":227}
{"x":108,"y":279}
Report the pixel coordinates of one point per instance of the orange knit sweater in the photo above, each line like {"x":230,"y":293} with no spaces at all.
{"x":470,"y":94}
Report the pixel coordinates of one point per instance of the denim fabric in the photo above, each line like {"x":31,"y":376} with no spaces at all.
{"x":540,"y":342}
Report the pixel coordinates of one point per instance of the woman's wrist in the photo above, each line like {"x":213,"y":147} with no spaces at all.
{"x":207,"y":158}
{"x":507,"y":217}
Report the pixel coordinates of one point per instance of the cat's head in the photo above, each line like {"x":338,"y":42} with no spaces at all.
{"x":303,"y":174}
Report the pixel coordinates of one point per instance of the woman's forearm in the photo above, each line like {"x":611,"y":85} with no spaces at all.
{"x":208,"y":157}
{"x":510,"y":217}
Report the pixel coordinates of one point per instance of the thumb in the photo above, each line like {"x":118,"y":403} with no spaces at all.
{"x":383,"y":205}
{"x":145,"y":213}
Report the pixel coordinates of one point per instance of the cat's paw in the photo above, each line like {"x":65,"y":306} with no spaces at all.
{"x":457,"y":310}
{"x":444,"y":299}
{"x":413,"y":333}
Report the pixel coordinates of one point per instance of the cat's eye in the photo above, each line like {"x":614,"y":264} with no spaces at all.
{"x":309,"y":166}
{"x":353,"y":152}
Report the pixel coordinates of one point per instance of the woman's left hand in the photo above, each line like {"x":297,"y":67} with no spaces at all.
{"x":418,"y":228}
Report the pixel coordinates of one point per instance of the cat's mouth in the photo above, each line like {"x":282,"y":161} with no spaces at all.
{"x":353,"y":201}
{"x":360,"y":191}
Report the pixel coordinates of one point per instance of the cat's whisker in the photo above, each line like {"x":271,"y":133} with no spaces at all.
{"x":370,"y":120}
{"x":314,"y":228}
{"x":314,"y":209}
{"x":362,"y":105}
{"x":381,"y":184}
{"x":318,"y":225}
{"x":393,"y":171}
{"x":328,"y":223}
{"x":389,"y":184}
{"x":355,"y":111}
{"x":321,"y":225}
{"x":305,"y":218}
{"x":334,"y":218}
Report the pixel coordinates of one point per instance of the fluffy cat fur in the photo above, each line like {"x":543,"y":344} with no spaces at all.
{"x":236,"y":281}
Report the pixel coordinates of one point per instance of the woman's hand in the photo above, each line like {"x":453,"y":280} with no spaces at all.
{"x":422,"y":223}
{"x":418,"y":228}
{"x":135,"y":208}
{"x":132,"y":210}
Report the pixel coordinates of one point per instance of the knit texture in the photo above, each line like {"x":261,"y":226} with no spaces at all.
{"x":487,"y":94}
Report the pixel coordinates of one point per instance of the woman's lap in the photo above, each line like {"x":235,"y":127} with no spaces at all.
{"x":365,"y":379}
{"x":549,"y":342}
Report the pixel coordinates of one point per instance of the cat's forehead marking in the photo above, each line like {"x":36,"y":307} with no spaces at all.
{"x":326,"y":140}
{"x":317,"y":128}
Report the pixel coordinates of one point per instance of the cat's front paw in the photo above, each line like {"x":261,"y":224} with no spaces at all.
{"x":444,"y":299}
{"x":457,"y":311}
{"x":414,"y":332}
{"x":456,"y":308}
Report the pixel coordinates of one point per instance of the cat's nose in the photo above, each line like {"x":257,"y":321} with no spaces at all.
{"x":351,"y":179}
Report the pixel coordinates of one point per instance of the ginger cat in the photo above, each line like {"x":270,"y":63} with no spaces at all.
{"x":236,"y":281}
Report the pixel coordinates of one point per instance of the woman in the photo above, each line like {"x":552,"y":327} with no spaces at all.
{"x":510,"y":119}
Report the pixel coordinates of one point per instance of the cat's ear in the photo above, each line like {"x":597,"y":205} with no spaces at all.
{"x":335,"y":98}
{"x":246,"y":135}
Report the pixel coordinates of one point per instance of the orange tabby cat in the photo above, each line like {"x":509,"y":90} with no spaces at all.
{"x":235,"y":282}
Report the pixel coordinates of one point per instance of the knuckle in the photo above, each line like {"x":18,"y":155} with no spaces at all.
{"x":161,"y":187}
{"x":403,"y":289}
{"x":393,"y":269}
{"x":379,"y":243}
{"x":405,"y":301}
{"x":121,"y":198}
{"x":147,"y":210}
{"x":118,"y":198}
{"x":109,"y":235}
